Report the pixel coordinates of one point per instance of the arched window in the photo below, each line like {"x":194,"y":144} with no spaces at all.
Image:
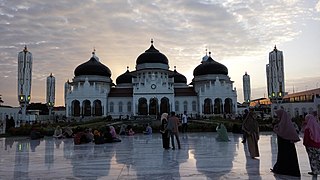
{"x":185,"y":106}
{"x":228,"y":106}
{"x":111,"y":107}
{"x":177,"y":106}
{"x":129,"y":106}
{"x":164,"y":105}
{"x":75,"y":108}
{"x":120,"y":107}
{"x":207,"y":106}
{"x":86,"y":106}
{"x":97,"y":108}
{"x":143,"y":106}
{"x":194,"y":106}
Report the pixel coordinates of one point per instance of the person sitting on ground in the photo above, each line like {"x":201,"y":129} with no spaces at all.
{"x":89,"y":135}
{"x":148,"y":130}
{"x":68,"y":133}
{"x":114,"y":134}
{"x":123,"y":129}
{"x":98,"y":138}
{"x":222,"y":133}
{"x":58,"y":132}
{"x":129,"y":130}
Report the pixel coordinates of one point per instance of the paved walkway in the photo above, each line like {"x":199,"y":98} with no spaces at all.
{"x":142,"y":157}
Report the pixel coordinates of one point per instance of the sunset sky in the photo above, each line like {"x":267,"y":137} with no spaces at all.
{"x":240,"y":34}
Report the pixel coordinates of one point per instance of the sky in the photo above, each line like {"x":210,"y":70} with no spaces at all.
{"x":240,"y":34}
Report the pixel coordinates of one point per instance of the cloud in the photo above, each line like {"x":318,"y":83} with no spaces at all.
{"x":62,"y":34}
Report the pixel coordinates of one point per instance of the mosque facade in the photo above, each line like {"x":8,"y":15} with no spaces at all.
{"x":151,"y":89}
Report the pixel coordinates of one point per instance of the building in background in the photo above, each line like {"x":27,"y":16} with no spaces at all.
{"x":246,"y":88}
{"x":275,"y":75}
{"x":24,"y":82}
{"x":51,"y":85}
{"x":151,"y":89}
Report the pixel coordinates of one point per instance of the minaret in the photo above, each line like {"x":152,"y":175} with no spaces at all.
{"x":51,"y":85}
{"x":246,"y":88}
{"x":24,"y":81}
{"x":275,"y":75}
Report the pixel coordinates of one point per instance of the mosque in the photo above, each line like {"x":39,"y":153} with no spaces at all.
{"x":151,"y":89}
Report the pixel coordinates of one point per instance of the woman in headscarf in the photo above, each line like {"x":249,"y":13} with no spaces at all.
{"x":164,"y":132}
{"x":250,"y":127}
{"x":311,"y":141}
{"x":222,"y":133}
{"x":287,"y":160}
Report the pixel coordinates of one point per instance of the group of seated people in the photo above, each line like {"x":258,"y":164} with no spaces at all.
{"x":108,"y":135}
{"x":67,"y":133}
{"x":126,"y":130}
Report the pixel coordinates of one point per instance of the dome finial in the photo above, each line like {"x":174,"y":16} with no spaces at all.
{"x":151,"y":41}
{"x":275,"y":47}
{"x":175,"y":68}
{"x":50,"y":74}
{"x":209,"y":53}
{"x":25,"y":48}
{"x":127,"y":68}
{"x":206,"y":51}
{"x":94,"y":51}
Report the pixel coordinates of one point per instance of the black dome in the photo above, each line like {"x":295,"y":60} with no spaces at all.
{"x":92,"y":67}
{"x":210,"y":67}
{"x":152,"y":55}
{"x":178,"y":78}
{"x":124,"y":78}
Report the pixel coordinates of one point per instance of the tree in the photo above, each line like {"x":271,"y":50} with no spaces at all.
{"x":1,"y":101}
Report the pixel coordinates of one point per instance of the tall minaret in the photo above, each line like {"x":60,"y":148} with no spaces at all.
{"x":24,"y":81}
{"x":275,"y":75}
{"x":246,"y":88}
{"x":51,"y":85}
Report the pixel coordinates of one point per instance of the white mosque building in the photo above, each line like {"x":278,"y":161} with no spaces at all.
{"x":151,"y":89}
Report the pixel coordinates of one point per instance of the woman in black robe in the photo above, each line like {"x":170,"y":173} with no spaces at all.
{"x":164,"y":132}
{"x":287,"y":160}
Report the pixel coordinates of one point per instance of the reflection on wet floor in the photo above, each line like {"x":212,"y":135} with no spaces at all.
{"x":142,"y":157}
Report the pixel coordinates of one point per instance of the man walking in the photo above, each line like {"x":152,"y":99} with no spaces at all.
{"x":172,"y":127}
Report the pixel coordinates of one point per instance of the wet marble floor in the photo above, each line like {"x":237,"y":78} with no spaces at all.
{"x":142,"y":157}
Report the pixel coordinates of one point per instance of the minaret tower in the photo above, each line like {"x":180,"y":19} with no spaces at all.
{"x":246,"y":88}
{"x":24,"y":81}
{"x":51,"y":85}
{"x":275,"y":75}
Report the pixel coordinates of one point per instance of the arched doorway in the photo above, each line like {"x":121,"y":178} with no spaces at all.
{"x":75,"y":108}
{"x":207,"y":106}
{"x":143,"y":106}
{"x":218,"y":106}
{"x":153,"y":106}
{"x":86,"y":106}
{"x":97,"y":108}
{"x":228,"y":106}
{"x":164,"y":106}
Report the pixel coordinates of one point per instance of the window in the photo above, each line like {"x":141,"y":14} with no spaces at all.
{"x":129,"y":106}
{"x":194,"y":106}
{"x":120,"y":106}
{"x":111,"y":107}
{"x":177,"y":106}
{"x":185,"y":106}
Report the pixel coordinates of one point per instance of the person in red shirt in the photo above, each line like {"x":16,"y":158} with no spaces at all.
{"x":172,"y":127}
{"x":311,"y":141}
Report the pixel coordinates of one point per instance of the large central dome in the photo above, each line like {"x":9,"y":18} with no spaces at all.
{"x":92,"y":67}
{"x":210,"y":66}
{"x":152,"y":55}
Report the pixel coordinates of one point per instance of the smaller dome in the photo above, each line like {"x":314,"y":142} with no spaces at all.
{"x":92,"y":67}
{"x":124,"y":78}
{"x":152,"y":55}
{"x":178,"y":78}
{"x":210,"y":66}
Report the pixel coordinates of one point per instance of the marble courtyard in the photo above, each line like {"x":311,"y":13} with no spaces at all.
{"x":142,"y":157}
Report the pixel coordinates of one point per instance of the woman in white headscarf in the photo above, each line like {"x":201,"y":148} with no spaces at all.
{"x":287,"y":160}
